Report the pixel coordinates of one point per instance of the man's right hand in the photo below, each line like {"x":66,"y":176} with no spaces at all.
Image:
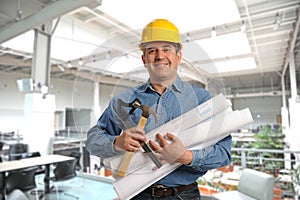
{"x":130,"y":140}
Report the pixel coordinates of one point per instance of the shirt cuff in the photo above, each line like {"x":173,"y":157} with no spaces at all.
{"x":113,"y":147}
{"x":198,"y":157}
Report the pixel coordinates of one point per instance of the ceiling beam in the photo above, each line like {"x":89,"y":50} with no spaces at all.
{"x":221,"y":59}
{"x":9,"y":60}
{"x":49,"y":12}
{"x":292,"y":43}
{"x":255,"y":94}
{"x":102,"y":78}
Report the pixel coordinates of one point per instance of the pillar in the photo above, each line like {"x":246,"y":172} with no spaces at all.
{"x":294,"y":110}
{"x":39,"y":122}
{"x":39,"y":106}
{"x":96,"y":104}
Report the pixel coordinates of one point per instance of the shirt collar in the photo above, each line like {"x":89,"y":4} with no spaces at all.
{"x":177,"y":86}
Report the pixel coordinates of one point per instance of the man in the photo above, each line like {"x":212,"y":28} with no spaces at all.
{"x":170,"y":97}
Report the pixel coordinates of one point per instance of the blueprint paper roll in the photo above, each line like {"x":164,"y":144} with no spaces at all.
{"x":143,"y":177}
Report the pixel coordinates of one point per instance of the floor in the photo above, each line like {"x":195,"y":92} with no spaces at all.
{"x":76,"y":188}
{"x":79,"y":188}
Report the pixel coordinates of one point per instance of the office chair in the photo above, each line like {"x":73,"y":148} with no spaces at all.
{"x":40,"y":169}
{"x":1,"y":148}
{"x":1,"y":183}
{"x":31,"y":154}
{"x":77,"y":155}
{"x":15,"y":156}
{"x":62,"y":172}
{"x":18,"y":156}
{"x":23,"y":180}
{"x":15,"y":150}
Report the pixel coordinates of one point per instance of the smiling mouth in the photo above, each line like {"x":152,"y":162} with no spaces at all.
{"x":161,"y":64}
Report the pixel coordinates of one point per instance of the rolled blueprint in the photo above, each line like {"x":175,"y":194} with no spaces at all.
{"x":200,"y":127}
{"x":199,"y":136}
{"x":187,"y":120}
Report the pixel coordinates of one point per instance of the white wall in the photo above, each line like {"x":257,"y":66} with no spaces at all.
{"x":68,"y":94}
{"x":264,"y":109}
{"x":11,"y":104}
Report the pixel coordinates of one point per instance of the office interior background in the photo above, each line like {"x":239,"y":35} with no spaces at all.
{"x":62,"y":60}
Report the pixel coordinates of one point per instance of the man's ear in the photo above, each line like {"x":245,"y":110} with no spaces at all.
{"x":143,"y":58}
{"x":179,"y":54}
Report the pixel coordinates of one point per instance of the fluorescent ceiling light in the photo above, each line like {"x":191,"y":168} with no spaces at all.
{"x":225,"y":45}
{"x":188,"y":15}
{"x":229,"y":66}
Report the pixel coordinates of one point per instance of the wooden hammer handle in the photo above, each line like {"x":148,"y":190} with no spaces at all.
{"x":142,"y":122}
{"x":121,"y":172}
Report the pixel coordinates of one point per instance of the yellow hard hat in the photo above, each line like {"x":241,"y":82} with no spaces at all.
{"x":160,"y":30}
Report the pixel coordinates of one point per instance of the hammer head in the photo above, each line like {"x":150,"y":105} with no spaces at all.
{"x":146,"y":110}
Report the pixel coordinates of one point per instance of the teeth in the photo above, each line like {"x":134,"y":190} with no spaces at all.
{"x":162,"y":64}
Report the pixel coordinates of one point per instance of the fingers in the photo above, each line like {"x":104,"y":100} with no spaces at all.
{"x":130,"y":139}
{"x":168,"y":148}
{"x":134,"y":146}
{"x":154,"y":146}
{"x":162,"y":141}
{"x":137,"y":134}
{"x":171,"y":136}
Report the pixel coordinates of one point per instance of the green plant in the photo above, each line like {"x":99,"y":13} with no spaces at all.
{"x":266,"y":138}
{"x":269,"y":138}
{"x":295,"y":173}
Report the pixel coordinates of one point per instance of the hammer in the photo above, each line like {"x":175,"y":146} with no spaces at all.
{"x":146,"y":112}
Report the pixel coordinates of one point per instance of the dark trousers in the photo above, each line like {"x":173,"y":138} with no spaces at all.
{"x":189,"y":194}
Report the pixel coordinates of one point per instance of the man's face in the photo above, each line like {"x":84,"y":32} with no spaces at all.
{"x":161,"y":61}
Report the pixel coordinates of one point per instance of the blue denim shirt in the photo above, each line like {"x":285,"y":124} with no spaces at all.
{"x":178,"y":98}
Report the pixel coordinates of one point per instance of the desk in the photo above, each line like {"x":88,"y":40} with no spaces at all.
{"x":45,"y":160}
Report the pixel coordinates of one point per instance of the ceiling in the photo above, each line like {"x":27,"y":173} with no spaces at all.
{"x":272,"y":31}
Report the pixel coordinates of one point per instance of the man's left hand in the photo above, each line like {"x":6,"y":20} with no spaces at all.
{"x":171,"y":149}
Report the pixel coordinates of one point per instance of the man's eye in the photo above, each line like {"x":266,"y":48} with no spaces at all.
{"x":151,"y":51}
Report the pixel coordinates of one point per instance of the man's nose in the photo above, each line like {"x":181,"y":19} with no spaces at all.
{"x":160,"y":53}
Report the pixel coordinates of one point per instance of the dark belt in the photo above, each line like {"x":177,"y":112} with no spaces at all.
{"x":163,"y":191}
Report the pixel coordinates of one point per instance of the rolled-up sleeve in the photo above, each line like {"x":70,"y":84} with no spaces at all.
{"x":100,"y":144}
{"x":100,"y":138}
{"x":214,"y":156}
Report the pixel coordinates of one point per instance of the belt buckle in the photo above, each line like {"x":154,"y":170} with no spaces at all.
{"x":157,"y":187}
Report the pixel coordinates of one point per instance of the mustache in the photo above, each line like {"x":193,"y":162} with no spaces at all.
{"x":161,"y":61}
